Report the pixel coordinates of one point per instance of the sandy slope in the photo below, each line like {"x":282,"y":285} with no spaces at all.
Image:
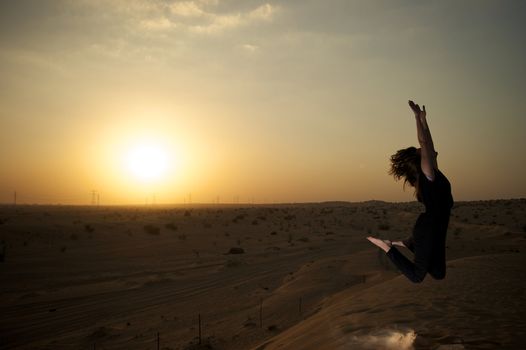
{"x":75,"y":277}
{"x":480,"y":305}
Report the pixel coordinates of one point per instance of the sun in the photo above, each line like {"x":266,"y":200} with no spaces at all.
{"x":147,"y":161}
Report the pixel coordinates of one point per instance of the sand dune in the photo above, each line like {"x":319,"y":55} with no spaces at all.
{"x":480,"y":305}
{"x":301,"y":277}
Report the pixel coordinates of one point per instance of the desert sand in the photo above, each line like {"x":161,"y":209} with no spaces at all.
{"x":290,"y":276}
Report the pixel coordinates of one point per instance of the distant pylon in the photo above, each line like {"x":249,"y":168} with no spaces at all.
{"x":94,"y":197}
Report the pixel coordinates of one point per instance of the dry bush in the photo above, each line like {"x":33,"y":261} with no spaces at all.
{"x":171,"y":226}
{"x":236,"y":250}
{"x":152,"y":229}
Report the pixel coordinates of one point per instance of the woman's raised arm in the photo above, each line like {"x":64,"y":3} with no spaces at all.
{"x":428,"y":154}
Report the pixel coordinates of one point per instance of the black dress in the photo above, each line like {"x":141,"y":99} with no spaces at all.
{"x":428,"y":241}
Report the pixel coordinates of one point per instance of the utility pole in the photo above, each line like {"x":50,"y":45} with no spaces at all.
{"x":14,"y":198}
{"x":95,"y":198}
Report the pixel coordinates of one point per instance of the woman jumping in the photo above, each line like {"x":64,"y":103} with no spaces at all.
{"x":428,"y":241}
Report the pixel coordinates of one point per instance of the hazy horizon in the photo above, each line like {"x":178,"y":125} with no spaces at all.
{"x":256,"y":101}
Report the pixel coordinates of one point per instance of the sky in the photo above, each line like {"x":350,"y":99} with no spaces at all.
{"x":257,"y":101}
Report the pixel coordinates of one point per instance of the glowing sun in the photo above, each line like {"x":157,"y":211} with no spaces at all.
{"x":147,"y":161}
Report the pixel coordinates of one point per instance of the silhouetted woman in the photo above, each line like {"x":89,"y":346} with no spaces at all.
{"x":419,"y":168}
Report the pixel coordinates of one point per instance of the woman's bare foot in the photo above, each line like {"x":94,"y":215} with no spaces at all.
{"x":383,"y":244}
{"x":399,"y":243}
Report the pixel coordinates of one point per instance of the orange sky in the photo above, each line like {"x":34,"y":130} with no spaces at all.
{"x":257,"y":101}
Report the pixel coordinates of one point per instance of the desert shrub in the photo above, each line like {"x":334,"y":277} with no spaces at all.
{"x":303,"y":239}
{"x":254,"y":222}
{"x":207,"y":225}
{"x":236,"y":250}
{"x":152,"y":229}
{"x":273,"y":233}
{"x":171,"y":226}
{"x":89,"y":228}
{"x":63,"y":249}
{"x":238,"y":217}
{"x":187,"y":213}
{"x":74,"y":236}
{"x":182,"y":237}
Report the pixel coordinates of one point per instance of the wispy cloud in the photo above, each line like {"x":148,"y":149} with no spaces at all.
{"x":161,"y":23}
{"x":206,"y":21}
{"x":263,"y":12}
{"x":249,"y":48}
{"x":33,"y":58}
{"x":187,"y":9}
{"x":219,"y":23}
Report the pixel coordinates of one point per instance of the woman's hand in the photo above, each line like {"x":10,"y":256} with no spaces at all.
{"x":416,"y":109}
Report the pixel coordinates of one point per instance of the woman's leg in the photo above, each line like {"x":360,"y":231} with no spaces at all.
{"x":437,"y":267}
{"x":415,"y":270}
{"x":409,"y":243}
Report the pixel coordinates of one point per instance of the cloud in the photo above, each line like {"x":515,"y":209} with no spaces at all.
{"x":187,"y":9}
{"x":250,"y":48}
{"x":217,"y":23}
{"x":263,"y":12}
{"x":201,"y":17}
{"x":161,"y":23}
{"x":35,"y":59}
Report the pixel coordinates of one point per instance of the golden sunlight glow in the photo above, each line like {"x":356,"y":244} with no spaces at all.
{"x":147,"y":161}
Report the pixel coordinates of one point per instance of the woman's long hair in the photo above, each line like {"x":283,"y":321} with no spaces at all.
{"x":405,"y":164}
